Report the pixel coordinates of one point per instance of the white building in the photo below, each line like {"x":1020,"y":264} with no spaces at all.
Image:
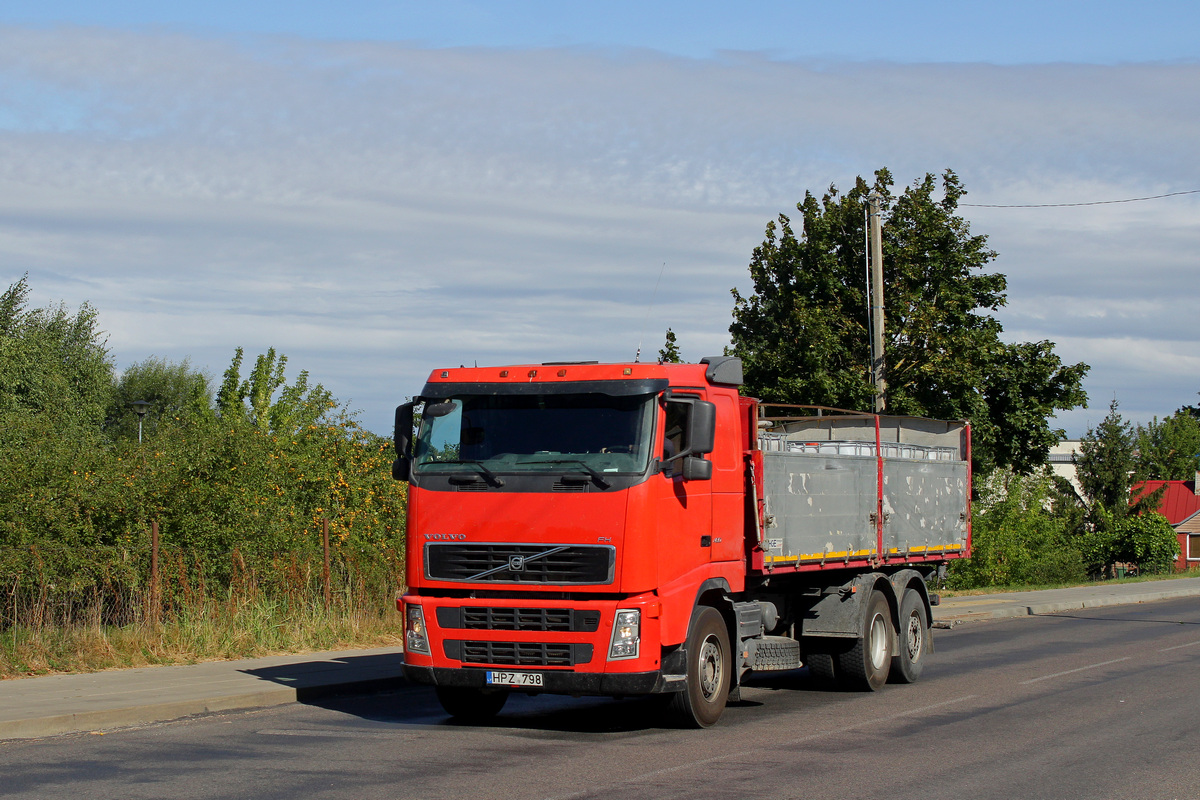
{"x":1062,"y":461}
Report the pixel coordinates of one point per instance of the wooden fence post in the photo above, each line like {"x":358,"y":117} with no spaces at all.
{"x":154,"y":595}
{"x":325,"y":545}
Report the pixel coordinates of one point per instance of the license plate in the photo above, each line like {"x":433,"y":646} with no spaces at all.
{"x":497,"y":678}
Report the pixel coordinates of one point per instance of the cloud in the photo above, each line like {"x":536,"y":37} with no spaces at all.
{"x":375,"y":210}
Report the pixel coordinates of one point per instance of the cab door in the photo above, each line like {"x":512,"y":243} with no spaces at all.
{"x":685,"y":506}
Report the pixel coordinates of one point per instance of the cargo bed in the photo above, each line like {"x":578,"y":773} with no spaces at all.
{"x":842,"y":489}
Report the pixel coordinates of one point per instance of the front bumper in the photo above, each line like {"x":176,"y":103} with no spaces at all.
{"x":612,"y":684}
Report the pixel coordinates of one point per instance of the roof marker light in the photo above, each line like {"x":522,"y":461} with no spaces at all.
{"x":445,"y":374}
{"x":533,"y":373}
{"x":503,"y":373}
{"x":628,"y":371}
{"x":562,"y":373}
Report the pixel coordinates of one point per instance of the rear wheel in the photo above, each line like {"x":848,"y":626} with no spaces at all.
{"x":912,"y":639}
{"x":471,"y":705}
{"x":865,"y":666}
{"x":821,"y":658}
{"x":708,"y":671}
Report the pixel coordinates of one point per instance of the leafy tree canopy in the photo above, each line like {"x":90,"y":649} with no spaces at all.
{"x":1169,"y":450}
{"x":1192,"y":411}
{"x":298,"y":405}
{"x":669,"y":354}
{"x":174,"y":391}
{"x":1105,"y":463}
{"x":803,"y":332}
{"x":52,"y":360}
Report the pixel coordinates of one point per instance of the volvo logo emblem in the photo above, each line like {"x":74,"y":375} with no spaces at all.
{"x":516,"y":563}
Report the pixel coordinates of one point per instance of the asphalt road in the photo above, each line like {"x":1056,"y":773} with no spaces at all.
{"x":1094,"y":703}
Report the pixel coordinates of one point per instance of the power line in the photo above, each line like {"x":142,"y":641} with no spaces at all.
{"x":1071,"y":205}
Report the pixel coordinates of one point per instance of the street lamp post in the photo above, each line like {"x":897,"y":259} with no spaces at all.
{"x":140,"y":407}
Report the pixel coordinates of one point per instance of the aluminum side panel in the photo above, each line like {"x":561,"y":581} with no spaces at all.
{"x":923,"y":506}
{"x":819,"y":505}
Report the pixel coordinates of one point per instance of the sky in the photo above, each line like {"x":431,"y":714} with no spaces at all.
{"x":392,"y":188}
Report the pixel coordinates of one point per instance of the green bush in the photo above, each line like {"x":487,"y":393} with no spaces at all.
{"x":239,"y":485}
{"x":1146,"y":540}
{"x":1016,"y":539}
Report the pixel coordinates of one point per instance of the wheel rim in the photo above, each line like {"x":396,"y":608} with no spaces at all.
{"x":710,"y":668}
{"x":879,"y":642}
{"x":914,"y":637}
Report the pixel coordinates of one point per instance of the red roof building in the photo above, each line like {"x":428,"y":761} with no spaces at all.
{"x":1181,"y":506}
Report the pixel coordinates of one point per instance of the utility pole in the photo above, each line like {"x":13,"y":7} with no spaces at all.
{"x":877,"y":305}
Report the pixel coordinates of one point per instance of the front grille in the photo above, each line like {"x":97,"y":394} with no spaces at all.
{"x":517,"y":619}
{"x":520,"y":563}
{"x":518,"y":654}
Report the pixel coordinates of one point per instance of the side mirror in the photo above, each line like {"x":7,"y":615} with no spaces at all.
{"x":434,"y":410}
{"x":702,"y":427}
{"x":402,"y":466}
{"x":697,"y":469}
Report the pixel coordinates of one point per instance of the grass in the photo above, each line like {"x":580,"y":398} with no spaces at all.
{"x":120,"y":614}
{"x":211,"y":632}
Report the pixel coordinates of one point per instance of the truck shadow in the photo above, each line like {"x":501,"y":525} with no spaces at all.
{"x":537,"y":715}
{"x":380,"y":696}
{"x":372,"y":688}
{"x":320,"y":678}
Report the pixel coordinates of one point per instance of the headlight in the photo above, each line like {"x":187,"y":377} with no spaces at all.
{"x":626,"y":634}
{"x":415,"y":640}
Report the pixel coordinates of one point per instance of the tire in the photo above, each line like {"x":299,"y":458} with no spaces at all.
{"x":821,"y":658}
{"x":471,"y":705}
{"x":866,"y":665}
{"x":709,"y":670}
{"x":912,"y":640}
{"x":822,"y":667}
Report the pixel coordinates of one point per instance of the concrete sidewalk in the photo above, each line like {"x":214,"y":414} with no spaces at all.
{"x":56,"y":704}
{"x":954,"y":610}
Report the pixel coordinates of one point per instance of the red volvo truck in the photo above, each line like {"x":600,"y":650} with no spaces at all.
{"x":641,"y":529}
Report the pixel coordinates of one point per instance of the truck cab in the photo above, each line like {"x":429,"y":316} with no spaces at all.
{"x":561,"y":520}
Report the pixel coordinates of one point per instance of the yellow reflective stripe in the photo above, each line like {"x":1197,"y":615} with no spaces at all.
{"x":819,"y":556}
{"x":928,"y":549}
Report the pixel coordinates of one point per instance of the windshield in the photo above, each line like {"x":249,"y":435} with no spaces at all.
{"x":553,"y":432}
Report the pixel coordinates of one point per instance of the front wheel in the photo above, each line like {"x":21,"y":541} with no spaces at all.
{"x":708,"y":671}
{"x":865,"y":666}
{"x":471,"y":705}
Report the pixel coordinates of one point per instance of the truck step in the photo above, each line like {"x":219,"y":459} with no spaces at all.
{"x":776,"y":653}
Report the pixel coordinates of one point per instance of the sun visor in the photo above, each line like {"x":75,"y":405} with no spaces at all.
{"x":629,"y":388}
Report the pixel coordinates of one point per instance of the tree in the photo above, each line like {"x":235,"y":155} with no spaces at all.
{"x":803,"y":333}
{"x":669,"y":354}
{"x":1105,"y":463}
{"x":1116,"y":530}
{"x":1192,"y":411}
{"x":174,"y":391}
{"x":1168,"y":450}
{"x":52,"y":360}
{"x":298,"y":405}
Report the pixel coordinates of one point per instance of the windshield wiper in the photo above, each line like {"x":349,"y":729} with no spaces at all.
{"x":597,"y":476}
{"x":488,"y":475}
